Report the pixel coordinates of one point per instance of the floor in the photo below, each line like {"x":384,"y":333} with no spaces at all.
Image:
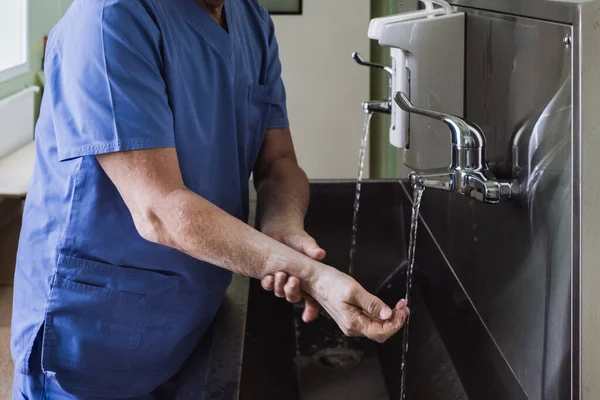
{"x":6,"y":366}
{"x":10,"y":227}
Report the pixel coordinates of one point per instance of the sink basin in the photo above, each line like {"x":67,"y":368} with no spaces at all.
{"x":261,"y":350}
{"x":285,"y":358}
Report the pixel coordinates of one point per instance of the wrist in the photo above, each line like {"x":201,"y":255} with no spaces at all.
{"x":318,"y":280}
{"x":282,"y":222}
{"x":282,"y":258}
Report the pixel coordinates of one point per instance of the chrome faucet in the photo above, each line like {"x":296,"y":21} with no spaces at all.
{"x":376,"y":106}
{"x":468,"y":173}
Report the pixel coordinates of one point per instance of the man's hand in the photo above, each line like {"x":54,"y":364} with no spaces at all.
{"x":283,"y":194}
{"x":356,"y":311}
{"x":295,"y":237}
{"x":288,"y":287}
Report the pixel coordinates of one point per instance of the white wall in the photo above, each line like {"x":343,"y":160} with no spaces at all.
{"x":325,"y":86}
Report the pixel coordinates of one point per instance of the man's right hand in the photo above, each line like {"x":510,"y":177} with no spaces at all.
{"x":356,"y":311}
{"x":283,"y":285}
{"x":289,"y":287}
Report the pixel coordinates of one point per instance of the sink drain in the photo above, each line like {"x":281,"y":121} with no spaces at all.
{"x":338,"y":358}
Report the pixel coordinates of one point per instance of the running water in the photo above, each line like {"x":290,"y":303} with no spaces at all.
{"x":414,"y":224}
{"x":361,"y":167}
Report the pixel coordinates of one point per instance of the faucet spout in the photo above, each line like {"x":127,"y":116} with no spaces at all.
{"x":468,"y":173}
{"x":478,"y":185}
{"x":441,"y":179}
{"x":377,"y":106}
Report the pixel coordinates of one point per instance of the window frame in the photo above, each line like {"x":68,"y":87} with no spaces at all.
{"x":24,"y":68}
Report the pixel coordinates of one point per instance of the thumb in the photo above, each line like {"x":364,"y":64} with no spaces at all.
{"x":305,"y":244}
{"x":311,"y":309}
{"x":373,"y":306}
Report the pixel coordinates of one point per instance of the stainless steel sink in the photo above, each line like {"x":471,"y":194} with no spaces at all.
{"x":286,"y":359}
{"x":262,"y":351}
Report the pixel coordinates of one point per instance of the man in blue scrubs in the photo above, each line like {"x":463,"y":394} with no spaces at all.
{"x":155,"y":114}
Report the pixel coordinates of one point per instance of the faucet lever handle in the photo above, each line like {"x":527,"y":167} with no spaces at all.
{"x":360,"y":61}
{"x":464,"y":134}
{"x":405,"y":104}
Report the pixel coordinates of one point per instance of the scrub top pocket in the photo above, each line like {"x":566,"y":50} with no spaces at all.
{"x":94,"y":325}
{"x":92,"y":328}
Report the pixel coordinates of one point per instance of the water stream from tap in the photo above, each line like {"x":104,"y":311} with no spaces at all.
{"x":361,"y":167}
{"x":412,"y":245}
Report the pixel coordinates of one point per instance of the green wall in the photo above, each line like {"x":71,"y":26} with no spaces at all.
{"x":384,"y":157}
{"x":43,"y":15}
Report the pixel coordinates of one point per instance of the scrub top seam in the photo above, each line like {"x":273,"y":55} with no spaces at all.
{"x":110,"y":94}
{"x":61,"y":243}
{"x":116,"y":146}
{"x":278,"y":123}
{"x":44,"y":384}
{"x":225,"y":51}
{"x":229,"y":21}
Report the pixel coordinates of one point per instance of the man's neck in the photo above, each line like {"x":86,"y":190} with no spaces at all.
{"x":214,"y":8}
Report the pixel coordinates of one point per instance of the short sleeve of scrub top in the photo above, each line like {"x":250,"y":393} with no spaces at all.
{"x":111,"y":95}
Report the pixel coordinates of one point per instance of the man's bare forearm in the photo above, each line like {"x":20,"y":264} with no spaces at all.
{"x":283,"y":194}
{"x":166,"y":212}
{"x":191,"y":224}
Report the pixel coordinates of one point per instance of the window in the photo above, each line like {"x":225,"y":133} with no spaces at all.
{"x":13,"y":38}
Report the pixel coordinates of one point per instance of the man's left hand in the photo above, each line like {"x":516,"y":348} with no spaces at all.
{"x":288,"y":287}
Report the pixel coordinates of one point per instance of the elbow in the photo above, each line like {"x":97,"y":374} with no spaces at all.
{"x":164,"y":220}
{"x":151,"y":227}
{"x":169,"y":219}
{"x":278,"y":169}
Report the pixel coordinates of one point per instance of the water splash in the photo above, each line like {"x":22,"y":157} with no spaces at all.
{"x":361,"y":167}
{"x":412,"y":245}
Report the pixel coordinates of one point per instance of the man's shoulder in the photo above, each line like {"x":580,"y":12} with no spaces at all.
{"x":105,"y":11}
{"x":90,"y":26}
{"x":93,"y":16}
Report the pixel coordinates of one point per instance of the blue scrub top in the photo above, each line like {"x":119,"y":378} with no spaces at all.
{"x":120,"y":314}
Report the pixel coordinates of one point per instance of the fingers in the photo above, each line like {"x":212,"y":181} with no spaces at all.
{"x":372,"y":305}
{"x":289,"y":288}
{"x":403,"y":311}
{"x":304,"y":243}
{"x":314,"y":251}
{"x":403,"y":316}
{"x":381,"y":331}
{"x":292,"y":291}
{"x":311,"y":309}
{"x":371,"y":317}
{"x":280,"y":281}
{"x":283,"y":286}
{"x":268,"y":283}
{"x":402,"y":304}
{"x":277,"y":283}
